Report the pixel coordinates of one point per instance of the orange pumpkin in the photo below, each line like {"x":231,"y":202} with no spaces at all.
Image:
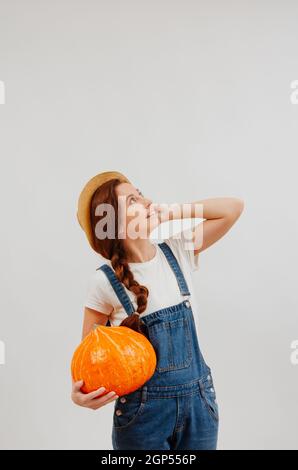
{"x":115,"y":357}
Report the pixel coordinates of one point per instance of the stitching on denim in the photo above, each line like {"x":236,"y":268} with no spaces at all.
{"x":167,"y":324}
{"x":176,"y":395}
{"x":176,"y":428}
{"x":172,"y":309}
{"x":118,"y":289}
{"x":185,"y":385}
{"x":138,"y":413}
{"x":176,"y":268}
{"x":213,"y":412}
{"x":186,"y":363}
{"x":142,"y":400}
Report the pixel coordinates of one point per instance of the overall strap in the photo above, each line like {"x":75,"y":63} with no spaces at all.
{"x":118,"y":288}
{"x":175,"y":267}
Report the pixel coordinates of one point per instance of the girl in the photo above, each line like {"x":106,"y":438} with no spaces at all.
{"x":148,"y":287}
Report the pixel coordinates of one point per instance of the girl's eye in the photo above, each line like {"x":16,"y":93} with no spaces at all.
{"x":132,"y":200}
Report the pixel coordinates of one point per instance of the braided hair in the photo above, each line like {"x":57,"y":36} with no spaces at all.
{"x":114,"y":250}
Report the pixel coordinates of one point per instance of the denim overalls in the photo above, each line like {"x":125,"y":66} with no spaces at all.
{"x":176,"y":408}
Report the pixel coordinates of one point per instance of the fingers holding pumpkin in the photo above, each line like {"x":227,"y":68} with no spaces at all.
{"x":76,"y":386}
{"x":104,"y":400}
{"x":94,"y":399}
{"x":96,"y":393}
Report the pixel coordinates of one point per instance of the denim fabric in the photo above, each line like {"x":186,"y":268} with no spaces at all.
{"x":176,"y":409}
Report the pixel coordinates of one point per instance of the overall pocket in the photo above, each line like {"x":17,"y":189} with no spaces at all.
{"x":209,"y":395}
{"x":127,"y":408}
{"x":172,"y":343}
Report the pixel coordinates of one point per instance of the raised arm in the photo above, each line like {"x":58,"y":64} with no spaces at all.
{"x":219,"y":213}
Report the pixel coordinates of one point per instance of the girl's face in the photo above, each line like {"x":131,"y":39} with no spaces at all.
{"x":136,"y":213}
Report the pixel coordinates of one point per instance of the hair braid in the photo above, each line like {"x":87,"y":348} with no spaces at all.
{"x":113,"y":249}
{"x":124,"y":275}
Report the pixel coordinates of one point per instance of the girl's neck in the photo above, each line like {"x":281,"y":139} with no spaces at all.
{"x":139,"y":250}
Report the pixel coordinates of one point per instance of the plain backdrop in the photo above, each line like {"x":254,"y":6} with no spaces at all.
{"x":191,"y":100}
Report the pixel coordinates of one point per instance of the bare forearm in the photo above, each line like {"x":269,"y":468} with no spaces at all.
{"x":220,"y":213}
{"x":212,"y":208}
{"x":216,"y":208}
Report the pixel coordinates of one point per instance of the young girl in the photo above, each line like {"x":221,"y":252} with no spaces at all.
{"x":148,"y":287}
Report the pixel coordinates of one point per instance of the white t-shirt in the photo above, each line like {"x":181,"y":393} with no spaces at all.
{"x":156,"y":274}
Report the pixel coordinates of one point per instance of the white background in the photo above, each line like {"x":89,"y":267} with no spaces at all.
{"x":191,"y":100}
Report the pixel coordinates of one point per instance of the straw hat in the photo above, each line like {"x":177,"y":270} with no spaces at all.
{"x":83,"y":210}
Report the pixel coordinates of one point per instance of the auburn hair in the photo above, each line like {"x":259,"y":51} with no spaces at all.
{"x":113,"y":249}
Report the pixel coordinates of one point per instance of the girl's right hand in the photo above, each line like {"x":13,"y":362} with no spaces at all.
{"x":93,"y":400}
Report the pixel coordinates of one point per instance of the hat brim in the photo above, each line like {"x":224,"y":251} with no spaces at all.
{"x":83,"y":209}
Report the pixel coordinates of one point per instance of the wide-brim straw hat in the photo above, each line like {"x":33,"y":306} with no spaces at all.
{"x":84,"y":202}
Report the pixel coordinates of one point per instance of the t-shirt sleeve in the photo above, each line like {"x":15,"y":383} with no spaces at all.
{"x":97,"y":296}
{"x":182,"y":246}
